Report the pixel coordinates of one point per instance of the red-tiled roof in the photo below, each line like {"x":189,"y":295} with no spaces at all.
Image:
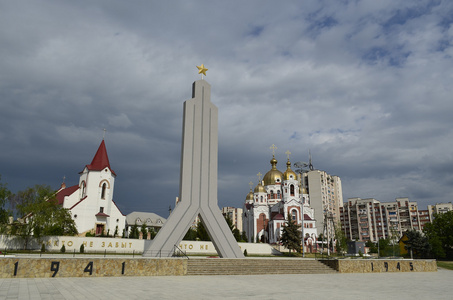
{"x":78,"y":202}
{"x":279,"y":217}
{"x":307,"y":218}
{"x":100,"y":160}
{"x":100,"y":214}
{"x":118,"y":208}
{"x":66,"y":192}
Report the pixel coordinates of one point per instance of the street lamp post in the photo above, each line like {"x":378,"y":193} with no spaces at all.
{"x":300,"y":169}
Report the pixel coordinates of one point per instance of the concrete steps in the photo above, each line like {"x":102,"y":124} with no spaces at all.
{"x":220,"y":266}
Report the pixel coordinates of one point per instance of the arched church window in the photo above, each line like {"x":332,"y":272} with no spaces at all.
{"x":84,"y":189}
{"x":272,"y":194}
{"x":278,"y":195}
{"x":261,"y":198}
{"x":294,"y":215}
{"x":104,"y":187}
{"x":291,"y":189}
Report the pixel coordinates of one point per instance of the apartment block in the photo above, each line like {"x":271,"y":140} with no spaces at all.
{"x":439,"y":208}
{"x":235,"y":215}
{"x":370,"y":219}
{"x":326,"y":198}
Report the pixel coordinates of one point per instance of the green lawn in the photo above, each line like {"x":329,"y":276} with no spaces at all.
{"x":445,"y":264}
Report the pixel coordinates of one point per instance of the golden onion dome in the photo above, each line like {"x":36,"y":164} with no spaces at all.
{"x":249,"y":196}
{"x":304,"y":190}
{"x":289,"y":172}
{"x":259,"y":189}
{"x":273,"y":176}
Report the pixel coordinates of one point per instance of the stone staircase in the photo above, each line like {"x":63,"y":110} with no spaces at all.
{"x":220,"y":266}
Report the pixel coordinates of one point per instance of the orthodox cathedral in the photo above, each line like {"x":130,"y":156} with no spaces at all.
{"x":276,"y":197}
{"x":91,"y":201}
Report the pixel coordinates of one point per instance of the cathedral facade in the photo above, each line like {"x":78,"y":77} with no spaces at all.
{"x":267,"y":207}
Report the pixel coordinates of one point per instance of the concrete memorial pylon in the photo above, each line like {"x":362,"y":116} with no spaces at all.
{"x":198,"y":180}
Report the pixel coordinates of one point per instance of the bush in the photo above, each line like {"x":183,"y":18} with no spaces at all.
{"x":63,"y":249}
{"x":245,"y":252}
{"x":43,"y":248}
{"x":82,"y":248}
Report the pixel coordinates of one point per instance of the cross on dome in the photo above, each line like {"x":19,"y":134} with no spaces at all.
{"x":288,"y":154}
{"x":259,"y":176}
{"x":273,"y":148}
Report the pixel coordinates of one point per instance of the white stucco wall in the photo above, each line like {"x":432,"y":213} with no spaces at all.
{"x":119,"y":245}
{"x":71,"y":243}
{"x":207,"y":248}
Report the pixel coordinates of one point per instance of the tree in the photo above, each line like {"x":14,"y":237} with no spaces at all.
{"x":291,"y":235}
{"x":394,"y":238}
{"x":372,"y":246}
{"x":341,"y":244}
{"x":153,"y":232}
{"x":202,"y":233}
{"x":5,"y":194}
{"x":384,"y":247}
{"x":191,"y":235}
{"x":144,"y":231}
{"x":244,"y":237}
{"x":236,"y":233}
{"x":41,"y":215}
{"x":417,"y":243}
{"x":134,"y":232}
{"x":440,"y":235}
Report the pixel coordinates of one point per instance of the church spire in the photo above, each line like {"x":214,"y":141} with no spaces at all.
{"x":100,"y":160}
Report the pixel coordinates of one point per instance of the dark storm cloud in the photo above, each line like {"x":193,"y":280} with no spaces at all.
{"x":365,"y":85}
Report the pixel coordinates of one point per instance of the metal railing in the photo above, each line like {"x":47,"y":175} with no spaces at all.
{"x":178,"y":252}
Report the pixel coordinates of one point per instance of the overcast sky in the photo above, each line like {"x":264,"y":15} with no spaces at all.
{"x":365,"y":85}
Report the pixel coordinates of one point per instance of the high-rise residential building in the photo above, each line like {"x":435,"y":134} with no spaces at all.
{"x":235,"y":215}
{"x":370,"y":219}
{"x":326,"y":198}
{"x":439,"y":208}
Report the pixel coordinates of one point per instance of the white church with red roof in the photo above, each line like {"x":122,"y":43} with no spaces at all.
{"x":91,"y":201}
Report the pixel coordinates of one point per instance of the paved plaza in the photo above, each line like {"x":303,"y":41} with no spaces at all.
{"x":429,"y":285}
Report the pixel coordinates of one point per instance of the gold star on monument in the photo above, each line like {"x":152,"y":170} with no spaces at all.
{"x":202,"y":70}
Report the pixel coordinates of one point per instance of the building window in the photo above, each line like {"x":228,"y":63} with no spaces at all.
{"x":278,"y":195}
{"x":104,"y":187}
{"x":261,"y":198}
{"x":272,"y":194}
{"x":84,"y":188}
{"x":294,"y":215}
{"x":291,"y":188}
{"x":101,"y":209}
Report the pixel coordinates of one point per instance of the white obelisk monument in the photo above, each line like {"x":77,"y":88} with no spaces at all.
{"x":198,"y":180}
